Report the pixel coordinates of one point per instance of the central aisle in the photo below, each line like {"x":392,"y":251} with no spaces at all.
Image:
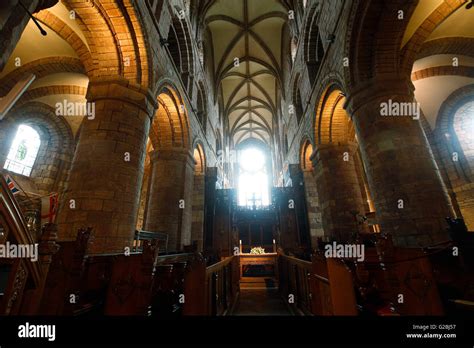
{"x":259,"y":297}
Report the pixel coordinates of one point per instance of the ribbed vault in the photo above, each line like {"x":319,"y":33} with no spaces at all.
{"x":246,"y":38}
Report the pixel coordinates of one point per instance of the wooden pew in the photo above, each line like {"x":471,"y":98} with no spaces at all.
{"x":63,"y":283}
{"x":393,"y":280}
{"x":129,"y":290}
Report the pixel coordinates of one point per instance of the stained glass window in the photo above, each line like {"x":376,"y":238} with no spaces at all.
{"x":253,"y":179}
{"x":23,"y":152}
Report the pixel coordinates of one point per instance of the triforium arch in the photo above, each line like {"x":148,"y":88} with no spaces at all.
{"x":180,"y":46}
{"x":313,"y":44}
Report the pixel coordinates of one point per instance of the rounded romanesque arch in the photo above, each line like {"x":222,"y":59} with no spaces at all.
{"x":296,"y":108}
{"x":455,"y":144}
{"x":313,"y":46}
{"x":332,"y":123}
{"x":179,"y":44}
{"x":306,"y":150}
{"x":374,"y":37}
{"x":199,"y":159}
{"x":170,"y":127}
{"x":117,"y":47}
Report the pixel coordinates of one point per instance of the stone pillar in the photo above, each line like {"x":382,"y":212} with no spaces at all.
{"x":408,"y":194}
{"x":169,"y":207}
{"x":209,"y":206}
{"x":313,"y":207}
{"x":197,"y":231}
{"x":300,"y":207}
{"x":338,"y":189}
{"x":103,"y":188}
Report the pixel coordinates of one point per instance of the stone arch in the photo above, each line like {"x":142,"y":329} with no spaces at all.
{"x":446,"y":134}
{"x":332,"y":123}
{"x":415,"y":44}
{"x":313,"y":50}
{"x":199,"y":158}
{"x":179,"y":44}
{"x":41,"y":68}
{"x":68,"y":35}
{"x":115,"y":40}
{"x":306,"y":150}
{"x":374,"y":36}
{"x":447,"y":45}
{"x":452,"y":154}
{"x":202,"y":106}
{"x":170,"y":127}
{"x":39,"y":92}
{"x":296,"y":99}
{"x":57,"y":144}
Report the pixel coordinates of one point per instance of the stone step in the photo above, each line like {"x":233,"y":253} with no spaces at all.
{"x":258,"y":282}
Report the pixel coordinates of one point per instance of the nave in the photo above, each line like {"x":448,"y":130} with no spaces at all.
{"x":170,"y":158}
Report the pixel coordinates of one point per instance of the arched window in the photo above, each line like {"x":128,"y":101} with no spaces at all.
{"x":293,"y":48}
{"x":464,"y":128}
{"x":253,"y":178}
{"x":23,"y":152}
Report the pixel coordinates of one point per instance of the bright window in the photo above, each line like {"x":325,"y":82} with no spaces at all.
{"x":253,"y":179}
{"x":23,"y":151}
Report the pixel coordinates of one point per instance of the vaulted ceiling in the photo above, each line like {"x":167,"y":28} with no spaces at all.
{"x":246,"y":40}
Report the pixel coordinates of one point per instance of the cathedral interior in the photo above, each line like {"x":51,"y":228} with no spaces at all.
{"x":173,"y":158}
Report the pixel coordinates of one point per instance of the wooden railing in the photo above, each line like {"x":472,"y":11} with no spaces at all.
{"x":212,"y":290}
{"x":295,"y":282}
{"x":318,"y":287}
{"x":23,"y":278}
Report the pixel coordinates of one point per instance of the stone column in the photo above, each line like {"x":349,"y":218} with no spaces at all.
{"x":169,"y":207}
{"x":209,"y":206}
{"x":103,"y":188}
{"x":197,"y":232}
{"x":338,"y":189}
{"x":408,"y":194}
{"x":313,"y":207}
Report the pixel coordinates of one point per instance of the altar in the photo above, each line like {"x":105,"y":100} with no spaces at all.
{"x":265,"y":259}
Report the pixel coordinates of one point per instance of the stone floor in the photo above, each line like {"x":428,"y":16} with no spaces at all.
{"x":259,"y":297}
